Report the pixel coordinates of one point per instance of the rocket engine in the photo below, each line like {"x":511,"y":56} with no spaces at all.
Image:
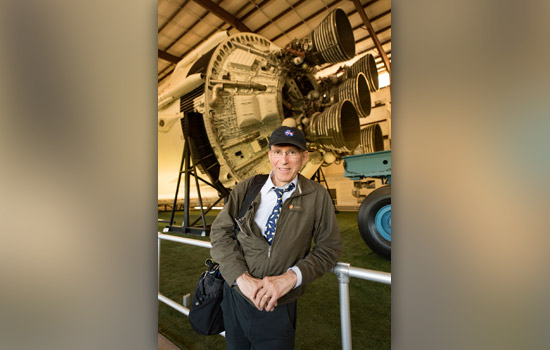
{"x":235,"y":90}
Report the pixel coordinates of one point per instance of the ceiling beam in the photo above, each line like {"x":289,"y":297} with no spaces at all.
{"x":380,"y":31}
{"x":207,"y":36}
{"x":372,"y":20}
{"x":372,"y":34}
{"x":168,"y":57}
{"x":223,"y":14}
{"x":374,"y":47}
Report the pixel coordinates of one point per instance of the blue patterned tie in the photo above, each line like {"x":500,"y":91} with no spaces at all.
{"x":272,"y":221}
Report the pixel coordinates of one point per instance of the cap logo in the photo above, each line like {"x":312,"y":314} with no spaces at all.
{"x":289,"y":132}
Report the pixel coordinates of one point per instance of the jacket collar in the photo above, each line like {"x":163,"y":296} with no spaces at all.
{"x":269,"y":183}
{"x":304,"y":186}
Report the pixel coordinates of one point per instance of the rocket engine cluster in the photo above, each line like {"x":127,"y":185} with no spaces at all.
{"x":233,"y":91}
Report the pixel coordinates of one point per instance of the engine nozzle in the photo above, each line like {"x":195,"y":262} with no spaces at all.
{"x":336,"y":128}
{"x":332,"y":41}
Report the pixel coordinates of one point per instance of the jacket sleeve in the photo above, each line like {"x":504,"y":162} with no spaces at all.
{"x":327,"y":241}
{"x":225,"y":248}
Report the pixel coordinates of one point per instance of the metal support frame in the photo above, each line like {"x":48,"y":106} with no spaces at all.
{"x":342,"y":270}
{"x":373,"y":35}
{"x":319,"y":176}
{"x":188,"y":168}
{"x":222,"y":14}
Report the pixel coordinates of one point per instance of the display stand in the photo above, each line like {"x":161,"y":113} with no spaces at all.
{"x":188,"y":168}
{"x":319,"y":176}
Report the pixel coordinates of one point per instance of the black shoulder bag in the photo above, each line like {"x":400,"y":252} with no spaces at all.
{"x":206,"y":315}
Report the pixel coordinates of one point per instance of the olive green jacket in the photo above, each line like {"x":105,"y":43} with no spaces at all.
{"x":307,"y":215}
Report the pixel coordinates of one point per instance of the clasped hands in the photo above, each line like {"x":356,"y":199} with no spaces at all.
{"x":265,"y":292}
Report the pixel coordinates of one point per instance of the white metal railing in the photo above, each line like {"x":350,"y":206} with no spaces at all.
{"x":342,"y":270}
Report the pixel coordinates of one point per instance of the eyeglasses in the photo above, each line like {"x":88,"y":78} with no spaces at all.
{"x":291,"y":154}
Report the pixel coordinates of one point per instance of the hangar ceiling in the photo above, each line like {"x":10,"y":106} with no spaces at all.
{"x":185,"y":24}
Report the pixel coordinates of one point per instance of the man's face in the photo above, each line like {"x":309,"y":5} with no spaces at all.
{"x":286,"y":162}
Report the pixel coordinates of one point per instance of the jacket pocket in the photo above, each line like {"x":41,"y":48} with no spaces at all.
{"x":255,"y":253}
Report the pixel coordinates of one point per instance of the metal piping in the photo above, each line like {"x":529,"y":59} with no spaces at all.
{"x":215,"y":91}
{"x":365,"y":274}
{"x":173,"y":304}
{"x":342,"y":272}
{"x":190,"y":241}
{"x":219,"y":85}
{"x":251,"y":49}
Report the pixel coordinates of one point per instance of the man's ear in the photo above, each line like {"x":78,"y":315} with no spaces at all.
{"x":306,"y":155}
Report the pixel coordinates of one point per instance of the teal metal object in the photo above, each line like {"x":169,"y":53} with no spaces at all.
{"x":359,"y":166}
{"x":382,"y":221}
{"x":374,"y":217}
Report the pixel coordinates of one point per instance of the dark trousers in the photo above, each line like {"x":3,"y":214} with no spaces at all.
{"x":249,"y":328}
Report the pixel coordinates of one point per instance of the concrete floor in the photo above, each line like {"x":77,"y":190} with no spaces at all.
{"x":165,"y":344}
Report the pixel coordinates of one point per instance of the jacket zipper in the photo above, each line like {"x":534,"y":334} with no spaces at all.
{"x":269,"y":252}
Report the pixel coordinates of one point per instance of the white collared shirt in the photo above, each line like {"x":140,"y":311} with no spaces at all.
{"x":267,"y":202}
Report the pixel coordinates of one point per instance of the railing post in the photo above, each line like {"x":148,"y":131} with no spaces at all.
{"x":342,"y":272}
{"x":158,"y":264}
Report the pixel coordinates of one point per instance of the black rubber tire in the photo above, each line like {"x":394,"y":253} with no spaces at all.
{"x":366,"y":221}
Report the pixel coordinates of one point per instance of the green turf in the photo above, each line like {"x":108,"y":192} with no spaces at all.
{"x":318,"y":325}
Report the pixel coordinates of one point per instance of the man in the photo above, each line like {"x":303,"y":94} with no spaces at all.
{"x":269,"y":263}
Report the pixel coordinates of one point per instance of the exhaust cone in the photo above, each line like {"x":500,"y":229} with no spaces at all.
{"x":372,"y":139}
{"x":357,"y":91}
{"x":333,"y":39}
{"x":337,"y":128}
{"x":367,"y":66}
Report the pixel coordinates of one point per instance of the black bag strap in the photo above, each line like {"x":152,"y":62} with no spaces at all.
{"x":252,"y":192}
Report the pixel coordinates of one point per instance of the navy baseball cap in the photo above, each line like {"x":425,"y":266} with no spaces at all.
{"x":288,"y":135}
